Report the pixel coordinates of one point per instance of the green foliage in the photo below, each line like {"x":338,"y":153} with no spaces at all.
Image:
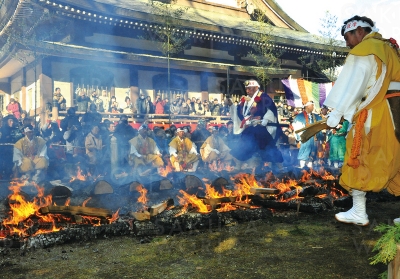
{"x":328,"y":62}
{"x":387,"y":244}
{"x":171,"y":40}
{"x":264,"y":55}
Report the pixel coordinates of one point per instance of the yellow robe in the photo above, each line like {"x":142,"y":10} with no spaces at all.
{"x":380,"y":151}
{"x":146,"y":147}
{"x":183,"y":148}
{"x":31,"y":160}
{"x":215,"y":143}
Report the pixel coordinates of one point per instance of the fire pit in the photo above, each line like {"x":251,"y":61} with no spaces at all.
{"x":189,"y":201}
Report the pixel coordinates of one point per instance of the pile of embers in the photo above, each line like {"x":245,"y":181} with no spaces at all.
{"x":78,"y":209}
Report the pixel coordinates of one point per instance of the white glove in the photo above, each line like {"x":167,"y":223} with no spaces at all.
{"x":174,"y":154}
{"x":216,"y":151}
{"x":264,"y":122}
{"x":334,"y":118}
{"x":248,"y":122}
{"x":255,"y":122}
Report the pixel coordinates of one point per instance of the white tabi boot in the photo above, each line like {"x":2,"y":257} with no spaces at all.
{"x":310,"y":164}
{"x":357,"y":214}
{"x":302,"y":163}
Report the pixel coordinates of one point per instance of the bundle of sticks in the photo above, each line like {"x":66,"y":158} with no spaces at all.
{"x":311,"y":130}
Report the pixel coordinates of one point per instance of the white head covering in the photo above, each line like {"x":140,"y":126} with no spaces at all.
{"x":308,"y":103}
{"x":251,"y":83}
{"x":355,"y":23}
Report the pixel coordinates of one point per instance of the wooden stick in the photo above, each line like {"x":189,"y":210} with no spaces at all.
{"x":76,"y":210}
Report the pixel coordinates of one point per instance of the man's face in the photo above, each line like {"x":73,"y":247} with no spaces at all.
{"x":251,"y":90}
{"x":95,"y":130}
{"x":354,"y":37}
{"x":181,"y":134}
{"x":309,"y":108}
{"x":10,"y":122}
{"x":29,"y":135}
{"x":111,"y":128}
{"x":143,"y":132}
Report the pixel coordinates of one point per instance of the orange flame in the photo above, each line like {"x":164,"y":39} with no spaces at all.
{"x":143,"y":192}
{"x":86,"y":201}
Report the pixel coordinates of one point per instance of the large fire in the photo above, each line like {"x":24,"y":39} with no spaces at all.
{"x":244,"y":189}
{"x":23,"y":214}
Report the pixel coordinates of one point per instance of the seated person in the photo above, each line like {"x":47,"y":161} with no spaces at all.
{"x":214,"y":149}
{"x":183,"y":153}
{"x":144,"y":151}
{"x":94,"y":147}
{"x":30,"y":155}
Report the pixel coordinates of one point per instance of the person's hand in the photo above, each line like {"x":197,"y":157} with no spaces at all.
{"x":334,"y":118}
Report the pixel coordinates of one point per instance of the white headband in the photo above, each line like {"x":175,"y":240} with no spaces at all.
{"x":355,"y":23}
{"x":308,"y":103}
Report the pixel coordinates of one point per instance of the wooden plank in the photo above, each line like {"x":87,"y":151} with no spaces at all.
{"x":241,"y":204}
{"x":140,"y":216}
{"x":103,"y":187}
{"x":158,"y":208}
{"x":76,"y":210}
{"x":266,"y":191}
{"x":394,"y":266}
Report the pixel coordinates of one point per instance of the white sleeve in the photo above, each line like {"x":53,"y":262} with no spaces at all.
{"x":193,"y":150}
{"x":156,"y":150}
{"x":43,"y":152}
{"x":236,"y":120}
{"x":173,"y":151}
{"x":356,"y":76}
{"x":134,"y":151}
{"x":17,"y":156}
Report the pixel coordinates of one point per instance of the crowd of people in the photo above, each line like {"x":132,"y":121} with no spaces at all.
{"x":85,"y":140}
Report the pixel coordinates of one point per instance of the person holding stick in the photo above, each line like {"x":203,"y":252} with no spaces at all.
{"x":365,"y":94}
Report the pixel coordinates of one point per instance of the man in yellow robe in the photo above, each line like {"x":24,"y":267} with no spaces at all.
{"x":361,"y":95}
{"x":214,"y":149}
{"x":30,"y":155}
{"x":183,"y":153}
{"x":144,"y":150}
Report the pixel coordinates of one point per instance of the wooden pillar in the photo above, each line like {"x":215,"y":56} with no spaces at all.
{"x":46,"y":88}
{"x":133,"y":85}
{"x":204,"y":86}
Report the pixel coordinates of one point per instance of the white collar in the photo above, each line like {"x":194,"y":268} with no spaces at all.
{"x":249,"y":104}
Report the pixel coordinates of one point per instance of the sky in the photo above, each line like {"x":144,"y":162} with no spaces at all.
{"x":308,"y":13}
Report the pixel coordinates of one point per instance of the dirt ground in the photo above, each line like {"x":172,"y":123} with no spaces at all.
{"x":286,"y":245}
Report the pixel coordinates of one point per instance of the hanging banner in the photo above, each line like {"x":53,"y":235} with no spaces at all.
{"x":300,"y":91}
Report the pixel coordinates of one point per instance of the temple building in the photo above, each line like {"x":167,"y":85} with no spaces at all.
{"x":119,"y":46}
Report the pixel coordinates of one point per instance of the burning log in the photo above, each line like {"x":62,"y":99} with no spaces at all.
{"x":264,"y":191}
{"x":60,"y":194}
{"x":309,"y":205}
{"x":77,"y":234}
{"x":214,"y":202}
{"x":158,"y":208}
{"x":141,"y":216}
{"x":170,"y":222}
{"x":76,"y":210}
{"x":152,"y":210}
{"x":153,"y":183}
